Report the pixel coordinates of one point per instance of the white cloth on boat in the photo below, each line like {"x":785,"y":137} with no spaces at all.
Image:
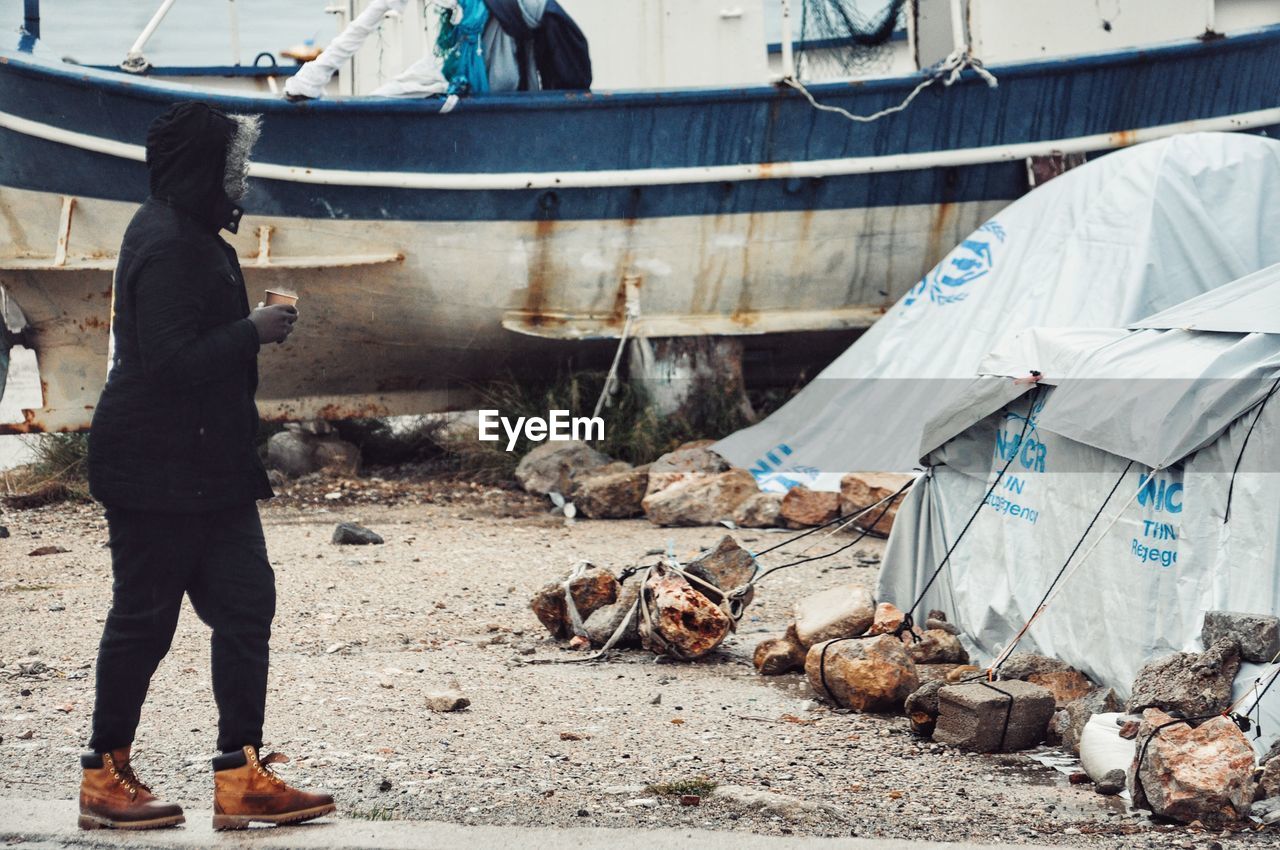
{"x":421,"y":79}
{"x":312,"y":77}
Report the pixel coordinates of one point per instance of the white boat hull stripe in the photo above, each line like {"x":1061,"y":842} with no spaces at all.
{"x":489,"y":181}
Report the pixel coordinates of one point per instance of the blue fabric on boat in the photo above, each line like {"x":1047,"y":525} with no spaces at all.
{"x":459,"y":44}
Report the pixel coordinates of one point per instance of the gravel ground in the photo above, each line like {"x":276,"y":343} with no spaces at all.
{"x":362,"y":634}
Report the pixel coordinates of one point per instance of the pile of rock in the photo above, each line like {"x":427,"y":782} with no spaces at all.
{"x":693,"y":486}
{"x":682,"y":612}
{"x":1191,"y":762}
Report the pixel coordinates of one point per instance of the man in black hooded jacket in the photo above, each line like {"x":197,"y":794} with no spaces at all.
{"x":173,"y":457}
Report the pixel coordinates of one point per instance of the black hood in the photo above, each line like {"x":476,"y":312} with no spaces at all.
{"x":187,"y":156}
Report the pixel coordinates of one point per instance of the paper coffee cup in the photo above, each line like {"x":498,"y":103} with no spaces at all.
{"x":286,"y":298}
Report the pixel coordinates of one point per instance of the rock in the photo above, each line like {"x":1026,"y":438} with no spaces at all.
{"x":728,"y":566}
{"x":613,"y":495}
{"x":449,"y":699}
{"x":1077,"y":713}
{"x":866,"y":674}
{"x":554,"y":466}
{"x":600,"y":625}
{"x":1266,"y":810}
{"x":804,"y":508}
{"x":1065,"y":685}
{"x":298,"y":452}
{"x":685,"y":624}
{"x":704,"y":500}
{"x":1202,"y":774}
{"x":887,"y":619}
{"x":962,"y":672}
{"x":1257,"y":634}
{"x":1269,"y":781}
{"x":922,"y":707}
{"x":763,"y":510}
{"x":844,"y":611}
{"x":4,"y":532}
{"x":1111,"y":784}
{"x":692,"y":461}
{"x":594,"y":589}
{"x":937,"y":647}
{"x":1020,"y":665}
{"x":351,"y":534}
{"x":859,"y":490}
{"x":1186,"y":683}
{"x":330,"y":454}
{"x":771,"y":803}
{"x":943,"y":625}
{"x":936,"y":672}
{"x":775,"y":656}
{"x":989,"y":717}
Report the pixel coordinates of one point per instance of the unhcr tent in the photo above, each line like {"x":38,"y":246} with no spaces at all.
{"x":1125,"y":236}
{"x":1134,"y":486}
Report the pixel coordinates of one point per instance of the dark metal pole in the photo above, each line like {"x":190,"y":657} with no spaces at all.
{"x":31,"y":17}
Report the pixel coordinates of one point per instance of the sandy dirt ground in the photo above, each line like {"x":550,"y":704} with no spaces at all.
{"x":362,"y":634}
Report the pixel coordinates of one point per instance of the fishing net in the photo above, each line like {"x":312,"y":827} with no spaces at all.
{"x":845,"y":37}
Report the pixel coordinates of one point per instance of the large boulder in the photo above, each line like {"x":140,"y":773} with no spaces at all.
{"x":1188,"y":684}
{"x":1257,"y":634}
{"x":778,"y":655}
{"x":682,"y":622}
{"x":615,"y":494}
{"x":804,"y":508}
{"x":701,"y":500}
{"x":762,"y":510}
{"x":861,"y":490}
{"x":554,"y":466}
{"x":844,"y":611}
{"x":594,"y":588}
{"x":865,"y":674}
{"x":692,"y":461}
{"x":1202,"y":774}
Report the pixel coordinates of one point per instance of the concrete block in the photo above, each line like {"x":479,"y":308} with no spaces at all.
{"x":972,"y":716}
{"x":1258,"y":634}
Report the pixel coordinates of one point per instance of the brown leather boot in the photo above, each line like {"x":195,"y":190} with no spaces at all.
{"x":112,"y":796}
{"x":246,"y":791}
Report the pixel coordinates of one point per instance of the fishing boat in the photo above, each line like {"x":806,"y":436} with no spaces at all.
{"x":704,"y":187}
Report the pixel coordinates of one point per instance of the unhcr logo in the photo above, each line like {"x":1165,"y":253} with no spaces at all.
{"x":972,"y":259}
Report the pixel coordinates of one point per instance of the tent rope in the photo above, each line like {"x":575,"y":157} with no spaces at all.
{"x":1226,"y":515}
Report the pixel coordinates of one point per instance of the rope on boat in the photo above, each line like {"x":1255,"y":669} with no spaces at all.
{"x":947,"y":71}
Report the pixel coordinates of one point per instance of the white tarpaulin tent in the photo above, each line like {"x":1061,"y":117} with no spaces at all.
{"x":1151,"y":454}
{"x":1123,"y":237}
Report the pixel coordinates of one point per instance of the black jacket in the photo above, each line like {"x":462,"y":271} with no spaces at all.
{"x":176,"y":427}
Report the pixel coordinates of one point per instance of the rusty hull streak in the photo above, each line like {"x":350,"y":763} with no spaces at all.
{"x":535,"y":302}
{"x":935,"y":251}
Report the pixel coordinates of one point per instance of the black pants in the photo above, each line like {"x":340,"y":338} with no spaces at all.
{"x":219,"y":559}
